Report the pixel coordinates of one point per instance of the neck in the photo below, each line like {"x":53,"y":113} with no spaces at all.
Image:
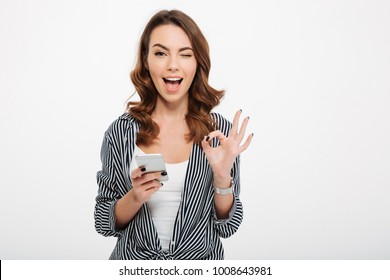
{"x":170,"y":111}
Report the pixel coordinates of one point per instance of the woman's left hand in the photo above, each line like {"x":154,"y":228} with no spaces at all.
{"x":221,"y":158}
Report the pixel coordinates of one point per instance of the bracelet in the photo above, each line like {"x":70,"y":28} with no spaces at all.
{"x":224,"y":191}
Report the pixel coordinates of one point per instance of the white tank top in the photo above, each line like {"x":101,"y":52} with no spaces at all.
{"x":164,"y":203}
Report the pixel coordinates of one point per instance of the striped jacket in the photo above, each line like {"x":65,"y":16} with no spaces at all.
{"x":197,"y":230}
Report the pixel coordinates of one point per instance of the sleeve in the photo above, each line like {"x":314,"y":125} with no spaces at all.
{"x":107,"y":192}
{"x":227,"y":227}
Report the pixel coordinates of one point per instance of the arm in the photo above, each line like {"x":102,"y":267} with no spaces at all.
{"x":223,"y":202}
{"x":229,"y":224}
{"x":107,"y":192}
{"x":144,"y":186}
{"x":114,"y":209}
{"x":222,"y":160}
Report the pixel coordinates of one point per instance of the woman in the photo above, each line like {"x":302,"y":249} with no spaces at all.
{"x":185,"y":217}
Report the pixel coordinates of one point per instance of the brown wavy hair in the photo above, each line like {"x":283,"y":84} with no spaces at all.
{"x":202,"y":97}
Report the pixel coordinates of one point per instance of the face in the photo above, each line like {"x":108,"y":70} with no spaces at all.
{"x":171,"y":63}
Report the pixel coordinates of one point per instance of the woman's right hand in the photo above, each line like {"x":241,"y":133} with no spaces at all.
{"x":144,"y":184}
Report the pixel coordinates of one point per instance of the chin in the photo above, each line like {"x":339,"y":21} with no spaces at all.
{"x":173,"y":97}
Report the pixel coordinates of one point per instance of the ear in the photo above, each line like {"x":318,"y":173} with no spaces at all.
{"x":146,"y":63}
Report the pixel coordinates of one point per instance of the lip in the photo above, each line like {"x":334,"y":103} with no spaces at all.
{"x":172,"y":77}
{"x":172,"y":83}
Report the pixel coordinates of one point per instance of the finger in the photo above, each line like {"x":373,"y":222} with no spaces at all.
{"x":151,"y":191}
{"x":151,"y":185}
{"x":145,"y":186}
{"x":216,"y":134}
{"x":234,"y":130}
{"x":137,"y":172}
{"x":153,"y":176}
{"x":243,"y":127}
{"x":206,"y":144}
{"x":147,"y":177}
{"x":246,"y":144}
{"x":145,"y":192}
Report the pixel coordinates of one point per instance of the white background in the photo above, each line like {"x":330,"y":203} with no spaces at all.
{"x":312,"y":75}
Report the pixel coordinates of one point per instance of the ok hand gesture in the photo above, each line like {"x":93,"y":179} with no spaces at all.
{"x":221,"y":158}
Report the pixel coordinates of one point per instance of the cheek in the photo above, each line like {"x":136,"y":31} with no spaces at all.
{"x":154,"y":65}
{"x":193,"y":74}
{"x":191,"y":69}
{"x":154,"y":70}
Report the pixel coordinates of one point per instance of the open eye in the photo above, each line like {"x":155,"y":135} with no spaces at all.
{"x":159,"y":53}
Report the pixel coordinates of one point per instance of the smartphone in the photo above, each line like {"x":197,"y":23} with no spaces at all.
{"x":152,"y":163}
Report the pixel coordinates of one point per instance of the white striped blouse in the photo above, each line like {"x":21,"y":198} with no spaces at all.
{"x":197,"y":230}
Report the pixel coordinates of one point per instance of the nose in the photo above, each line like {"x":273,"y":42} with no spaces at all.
{"x":173,"y":64}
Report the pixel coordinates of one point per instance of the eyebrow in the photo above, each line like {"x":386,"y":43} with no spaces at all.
{"x":167,"y":49}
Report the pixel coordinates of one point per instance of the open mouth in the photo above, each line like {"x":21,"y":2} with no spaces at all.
{"x":172,"y":84}
{"x":173,"y":81}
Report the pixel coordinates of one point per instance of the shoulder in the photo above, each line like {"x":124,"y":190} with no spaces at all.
{"x":122,"y":125}
{"x":221,"y":122}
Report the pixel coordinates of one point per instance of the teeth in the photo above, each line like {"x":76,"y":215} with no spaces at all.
{"x":173,"y":79}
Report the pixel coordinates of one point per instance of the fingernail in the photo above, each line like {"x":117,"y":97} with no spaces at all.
{"x":241,"y":110}
{"x":164,"y":173}
{"x":207,"y":138}
{"x":161,"y":184}
{"x":253,"y":134}
{"x":248,"y":118}
{"x":143,"y":169}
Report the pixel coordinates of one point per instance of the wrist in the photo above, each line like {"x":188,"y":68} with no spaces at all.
{"x":224,"y":190}
{"x":222,"y":181}
{"x":132,"y":198}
